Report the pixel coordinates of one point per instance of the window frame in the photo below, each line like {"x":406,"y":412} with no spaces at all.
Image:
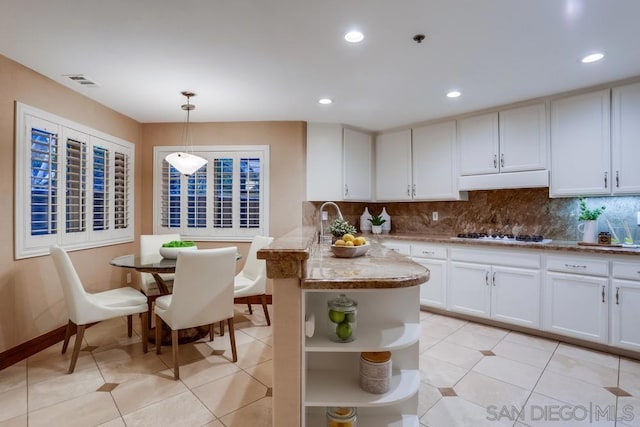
{"x":27,"y":245}
{"x":208,"y":233}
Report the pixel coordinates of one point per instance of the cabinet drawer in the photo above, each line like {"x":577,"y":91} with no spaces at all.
{"x":510,"y":258}
{"x":594,"y":267}
{"x":428,"y":251}
{"x":626,"y":270}
{"x":403,"y":248}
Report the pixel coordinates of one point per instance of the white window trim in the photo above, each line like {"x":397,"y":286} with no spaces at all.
{"x":27,"y":246}
{"x":160,"y":152}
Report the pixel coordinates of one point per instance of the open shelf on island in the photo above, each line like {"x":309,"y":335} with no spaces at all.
{"x":318,"y":420}
{"x":368,"y":338}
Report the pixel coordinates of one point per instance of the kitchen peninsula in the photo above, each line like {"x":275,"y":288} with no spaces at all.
{"x":311,"y":373}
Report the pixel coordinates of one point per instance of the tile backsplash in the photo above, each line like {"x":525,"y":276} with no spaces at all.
{"x":522,"y":211}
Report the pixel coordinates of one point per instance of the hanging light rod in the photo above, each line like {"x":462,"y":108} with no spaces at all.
{"x":185,"y":161}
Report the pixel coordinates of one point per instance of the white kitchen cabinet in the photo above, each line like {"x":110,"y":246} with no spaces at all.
{"x":433,"y":293}
{"x":625,"y":139}
{"x":387,"y":320}
{"x":581,"y":145}
{"x":478,"y":144}
{"x":393,"y":165}
{"x":523,"y":138}
{"x":339,"y":163}
{"x":577,"y":297}
{"x":624,"y":303}
{"x":503,"y":286}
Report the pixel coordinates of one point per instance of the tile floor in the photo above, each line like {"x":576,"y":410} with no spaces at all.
{"x":472,"y":375}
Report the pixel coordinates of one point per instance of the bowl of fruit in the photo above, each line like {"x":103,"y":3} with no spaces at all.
{"x":349,"y":246}
{"x":171,"y":249}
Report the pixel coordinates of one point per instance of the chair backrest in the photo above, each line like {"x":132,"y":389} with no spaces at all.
{"x":254,"y":267}
{"x":75,"y":296}
{"x":203,"y":287}
{"x":149,"y":245}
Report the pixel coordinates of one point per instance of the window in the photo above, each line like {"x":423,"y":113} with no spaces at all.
{"x":73,"y":185}
{"x":226,"y":199}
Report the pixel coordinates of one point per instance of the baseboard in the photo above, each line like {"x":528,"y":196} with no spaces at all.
{"x":31,"y":347}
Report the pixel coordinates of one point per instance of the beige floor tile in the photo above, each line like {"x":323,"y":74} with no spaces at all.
{"x":427,"y":341}
{"x":181,"y":410}
{"x":425,"y":314}
{"x":256,"y":414}
{"x":90,"y":409}
{"x":114,"y":352}
{"x":192,"y":352}
{"x":512,"y":372}
{"x":256,"y":331}
{"x":455,"y":354}
{"x":230,"y":393}
{"x":214,"y":424}
{"x":439,"y":373}
{"x":604,"y":359}
{"x":121,"y":370}
{"x":573,"y":391}
{"x":436,"y":330}
{"x":448,"y":321}
{"x":57,"y":365}
{"x":196,"y":373}
{"x":268,"y":340}
{"x":427,"y":397}
{"x":116,"y":422}
{"x":630,"y":382}
{"x":13,"y":402}
{"x":138,"y":393}
{"x":19,"y":421}
{"x":13,"y":376}
{"x":262,"y":372}
{"x":583,"y":370}
{"x":64,"y":387}
{"x":490,"y":331}
{"x":628,"y":411}
{"x":473,"y":340}
{"x":455,"y":411}
{"x":253,"y":353}
{"x":628,"y":365}
{"x":531,"y":341}
{"x":522,"y":353}
{"x":543,"y":411}
{"x":486,"y":391}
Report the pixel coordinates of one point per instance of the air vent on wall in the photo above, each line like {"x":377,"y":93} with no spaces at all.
{"x":81,"y":79}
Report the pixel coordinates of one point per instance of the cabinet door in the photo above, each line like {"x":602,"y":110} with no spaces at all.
{"x":393,"y":166}
{"x":523,"y":139}
{"x":576,"y":306}
{"x":433,"y":292}
{"x":470,"y":290}
{"x":580,"y":145}
{"x":357,"y":165}
{"x":515,"y":296}
{"x":478,"y":144}
{"x":625,"y":139}
{"x":324,"y":161}
{"x":433,"y":161}
{"x":625,"y":316}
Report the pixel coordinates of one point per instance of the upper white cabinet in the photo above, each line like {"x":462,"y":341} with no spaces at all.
{"x":339,"y":163}
{"x":418,"y":164}
{"x":506,"y":149}
{"x":625,"y":139}
{"x":580,"y":145}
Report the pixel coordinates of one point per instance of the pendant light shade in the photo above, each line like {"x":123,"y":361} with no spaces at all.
{"x":186,"y":162}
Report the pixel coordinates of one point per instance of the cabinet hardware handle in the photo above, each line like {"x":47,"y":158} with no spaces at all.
{"x":602,"y":293}
{"x":486,"y":278}
{"x":617,"y":179}
{"x":346,"y":190}
{"x":414,"y":190}
{"x":495,"y":161}
{"x":502,"y":160}
{"x":577,"y":266}
{"x":605,"y":180}
{"x":428,"y":252}
{"x":408,"y":190}
{"x":493,"y":278}
{"x":617,"y":296}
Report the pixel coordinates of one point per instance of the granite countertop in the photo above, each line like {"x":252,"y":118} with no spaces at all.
{"x":554,"y":245}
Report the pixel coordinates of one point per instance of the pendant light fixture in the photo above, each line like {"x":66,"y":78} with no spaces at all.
{"x":186,"y":162}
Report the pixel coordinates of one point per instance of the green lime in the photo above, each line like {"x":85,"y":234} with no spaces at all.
{"x":350,"y":317}
{"x":336,"y":316}
{"x":344,"y":331}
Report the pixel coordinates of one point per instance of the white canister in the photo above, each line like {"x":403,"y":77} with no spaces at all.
{"x":365,"y":225}
{"x":386,"y":227}
{"x":375,"y":371}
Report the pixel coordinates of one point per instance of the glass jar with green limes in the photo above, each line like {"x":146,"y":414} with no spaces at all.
{"x":342,"y":319}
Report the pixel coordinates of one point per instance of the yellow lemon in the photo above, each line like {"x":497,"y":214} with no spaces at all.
{"x":348,"y":237}
{"x":349,"y":243}
{"x":339,"y":242}
{"x":359,"y":241}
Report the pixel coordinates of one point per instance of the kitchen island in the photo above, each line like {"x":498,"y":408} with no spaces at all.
{"x":305,"y":378}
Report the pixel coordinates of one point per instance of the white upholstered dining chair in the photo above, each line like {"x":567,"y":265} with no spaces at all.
{"x":85,"y":308}
{"x":252,"y":280}
{"x":202,"y":295}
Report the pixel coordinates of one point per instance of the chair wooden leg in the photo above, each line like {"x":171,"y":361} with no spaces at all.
{"x":67,"y":335}
{"x":158,"y":334}
{"x":211,"y":331}
{"x":144,"y":321}
{"x":222,"y":328}
{"x":263,"y":298}
{"x":130,"y":325}
{"x":250,"y":309}
{"x":150,"y":305}
{"x":76,"y":348}
{"x":174,"y":350}
{"x":232,"y":336}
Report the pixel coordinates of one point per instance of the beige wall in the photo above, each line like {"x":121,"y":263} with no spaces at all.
{"x":31,"y":301}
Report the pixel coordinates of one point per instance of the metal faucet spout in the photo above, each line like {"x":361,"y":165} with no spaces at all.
{"x":321,"y":222}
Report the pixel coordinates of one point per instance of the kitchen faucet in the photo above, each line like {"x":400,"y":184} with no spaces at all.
{"x":321,"y":210}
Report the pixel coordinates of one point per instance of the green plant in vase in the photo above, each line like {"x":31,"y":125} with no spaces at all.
{"x":376,"y":223}
{"x":339,"y":227}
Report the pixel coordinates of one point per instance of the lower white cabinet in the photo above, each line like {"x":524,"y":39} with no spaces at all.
{"x":433,"y":293}
{"x":624,"y":304}
{"x":469,"y":289}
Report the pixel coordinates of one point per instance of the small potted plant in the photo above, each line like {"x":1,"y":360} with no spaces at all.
{"x":376,"y":223}
{"x":589,"y":218}
{"x":339,"y":227}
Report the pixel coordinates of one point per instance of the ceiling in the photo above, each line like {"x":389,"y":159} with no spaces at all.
{"x":273,"y":59}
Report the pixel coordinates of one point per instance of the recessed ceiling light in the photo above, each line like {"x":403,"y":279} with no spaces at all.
{"x":592,"y":58}
{"x":453,"y":94}
{"x":354,"y":37}
{"x":325,"y":101}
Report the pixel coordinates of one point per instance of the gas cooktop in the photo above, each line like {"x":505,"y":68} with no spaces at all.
{"x":504,"y":238}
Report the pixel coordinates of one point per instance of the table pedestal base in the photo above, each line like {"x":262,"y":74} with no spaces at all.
{"x":184,"y":335}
